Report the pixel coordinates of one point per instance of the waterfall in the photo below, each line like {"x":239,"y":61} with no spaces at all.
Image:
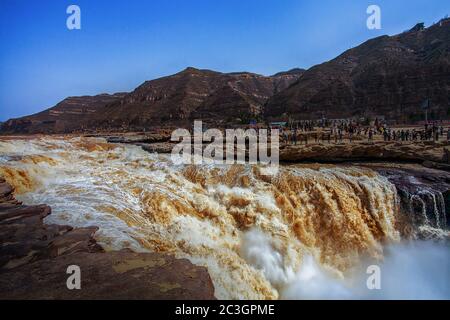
{"x":426,"y":211}
{"x":253,"y":231}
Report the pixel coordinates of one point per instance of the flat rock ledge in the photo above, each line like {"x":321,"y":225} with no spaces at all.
{"x":432,"y":154}
{"x":34,"y":260}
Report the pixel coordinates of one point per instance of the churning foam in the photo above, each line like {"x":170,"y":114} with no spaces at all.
{"x":261,"y":236}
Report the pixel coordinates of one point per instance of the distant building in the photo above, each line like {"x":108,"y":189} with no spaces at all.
{"x":276,"y":125}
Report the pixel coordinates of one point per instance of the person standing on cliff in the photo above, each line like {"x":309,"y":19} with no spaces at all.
{"x":294,"y":137}
{"x":370,"y":134}
{"x":385,"y":135}
{"x":285,"y":136}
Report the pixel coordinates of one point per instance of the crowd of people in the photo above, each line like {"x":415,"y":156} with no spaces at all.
{"x":433,"y":132}
{"x":350,"y":130}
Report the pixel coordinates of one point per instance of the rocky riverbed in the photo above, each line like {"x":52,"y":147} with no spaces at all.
{"x":34,"y":258}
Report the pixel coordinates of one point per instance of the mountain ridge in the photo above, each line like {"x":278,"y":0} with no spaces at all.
{"x":172,"y":99}
{"x":387,"y":76}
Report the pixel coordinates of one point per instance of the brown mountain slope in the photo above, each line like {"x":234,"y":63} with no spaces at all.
{"x":171,"y":100}
{"x":69,"y":115}
{"x":191,"y":94}
{"x":389,"y":76}
{"x":242,"y":96}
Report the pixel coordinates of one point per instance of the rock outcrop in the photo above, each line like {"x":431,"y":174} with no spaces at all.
{"x":424,"y":199}
{"x":430,"y":154}
{"x":366,"y":151}
{"x":140,"y":138}
{"x":34,"y":258}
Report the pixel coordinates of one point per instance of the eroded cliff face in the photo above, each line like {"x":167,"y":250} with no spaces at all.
{"x":385,"y":76}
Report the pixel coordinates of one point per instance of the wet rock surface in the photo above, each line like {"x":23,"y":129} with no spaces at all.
{"x":424,"y":197}
{"x":164,"y":147}
{"x":139,"y":138}
{"x":34,"y":258}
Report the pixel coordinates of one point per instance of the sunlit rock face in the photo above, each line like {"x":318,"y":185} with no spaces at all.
{"x":261,"y":236}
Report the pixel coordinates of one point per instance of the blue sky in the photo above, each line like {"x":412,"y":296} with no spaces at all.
{"x":123,"y":43}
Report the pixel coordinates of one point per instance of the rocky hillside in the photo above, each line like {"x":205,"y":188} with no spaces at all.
{"x":195,"y":93}
{"x":387,"y":76}
{"x":69,"y":115}
{"x":172,"y":100}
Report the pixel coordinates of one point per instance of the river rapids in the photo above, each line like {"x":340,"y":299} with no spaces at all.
{"x":308,"y":232}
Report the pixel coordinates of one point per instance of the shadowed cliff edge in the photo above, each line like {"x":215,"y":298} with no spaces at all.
{"x":34,"y":258}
